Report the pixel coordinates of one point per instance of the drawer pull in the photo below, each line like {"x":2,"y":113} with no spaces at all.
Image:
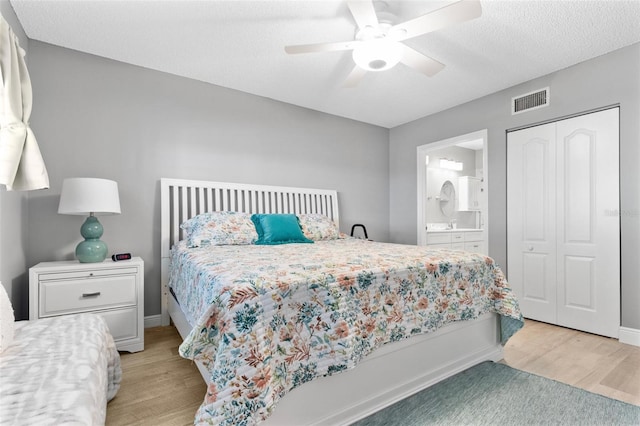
{"x":96,"y":294}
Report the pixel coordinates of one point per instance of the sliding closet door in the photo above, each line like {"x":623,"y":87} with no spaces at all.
{"x":588,"y":223}
{"x":563,"y":228}
{"x":531,"y":206}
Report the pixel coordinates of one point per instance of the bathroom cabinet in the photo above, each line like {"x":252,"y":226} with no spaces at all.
{"x":469,"y":188}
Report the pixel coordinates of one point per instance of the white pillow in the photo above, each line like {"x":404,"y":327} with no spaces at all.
{"x":219,"y":229}
{"x":318,"y":227}
{"x":6,"y":320}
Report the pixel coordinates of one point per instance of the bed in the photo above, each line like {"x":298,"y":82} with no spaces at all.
{"x":326,"y":332}
{"x":59,"y":370}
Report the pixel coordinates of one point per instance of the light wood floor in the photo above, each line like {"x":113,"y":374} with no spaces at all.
{"x":594,"y":363}
{"x":160,"y":388}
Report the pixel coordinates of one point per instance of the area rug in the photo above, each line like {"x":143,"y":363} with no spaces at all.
{"x":496,"y":394}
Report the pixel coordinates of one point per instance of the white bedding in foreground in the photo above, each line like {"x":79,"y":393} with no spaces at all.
{"x":59,"y":371}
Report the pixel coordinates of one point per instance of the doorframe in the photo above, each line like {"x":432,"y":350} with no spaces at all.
{"x":424,"y":150}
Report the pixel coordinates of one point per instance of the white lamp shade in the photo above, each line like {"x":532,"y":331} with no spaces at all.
{"x":82,"y":196}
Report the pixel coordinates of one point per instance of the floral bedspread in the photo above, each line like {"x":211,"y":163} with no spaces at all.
{"x":270,"y":318}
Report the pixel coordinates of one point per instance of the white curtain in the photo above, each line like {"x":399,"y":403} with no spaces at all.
{"x":21,"y":164}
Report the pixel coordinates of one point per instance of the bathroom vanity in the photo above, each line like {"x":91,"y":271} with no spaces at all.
{"x":458,"y":239}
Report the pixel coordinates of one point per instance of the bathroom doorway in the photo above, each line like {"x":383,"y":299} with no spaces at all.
{"x":452,"y":195}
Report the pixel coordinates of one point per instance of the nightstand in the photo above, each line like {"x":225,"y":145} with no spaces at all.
{"x":114,"y":290}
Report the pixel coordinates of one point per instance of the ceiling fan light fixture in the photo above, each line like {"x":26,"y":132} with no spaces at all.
{"x":378,"y":54}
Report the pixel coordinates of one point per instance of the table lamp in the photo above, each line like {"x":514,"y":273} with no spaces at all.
{"x":93,"y":197}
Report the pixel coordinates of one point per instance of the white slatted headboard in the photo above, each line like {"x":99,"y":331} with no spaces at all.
{"x":183,"y":199}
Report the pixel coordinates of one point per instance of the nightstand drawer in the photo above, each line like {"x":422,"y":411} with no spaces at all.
{"x":91,"y":274}
{"x":82,"y":295}
{"x":123,"y":323}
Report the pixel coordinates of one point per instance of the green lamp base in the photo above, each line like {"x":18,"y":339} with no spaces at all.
{"x":92,"y":249}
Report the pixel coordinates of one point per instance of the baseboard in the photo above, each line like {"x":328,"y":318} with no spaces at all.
{"x":152,"y":321}
{"x":630,"y":336}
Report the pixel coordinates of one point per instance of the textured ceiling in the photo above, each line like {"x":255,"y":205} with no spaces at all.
{"x":240,"y":45}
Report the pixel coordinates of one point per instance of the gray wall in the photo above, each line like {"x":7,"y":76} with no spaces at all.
{"x":13,"y":212}
{"x":606,"y":80}
{"x":95,"y":117}
{"x":101,"y":118}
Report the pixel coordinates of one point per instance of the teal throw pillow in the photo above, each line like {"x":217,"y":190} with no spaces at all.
{"x":275,"y":229}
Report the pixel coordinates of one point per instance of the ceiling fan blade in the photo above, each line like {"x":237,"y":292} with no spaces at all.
{"x":321,"y":47}
{"x":354,"y":77}
{"x":363,"y":12}
{"x":424,"y":64}
{"x":460,"y":11}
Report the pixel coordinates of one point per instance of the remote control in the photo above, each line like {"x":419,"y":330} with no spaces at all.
{"x":121,"y":256}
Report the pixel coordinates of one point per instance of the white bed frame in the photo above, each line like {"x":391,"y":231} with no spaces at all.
{"x":388,"y":375}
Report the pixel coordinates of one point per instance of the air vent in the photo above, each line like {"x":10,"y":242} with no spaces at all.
{"x":529,"y":101}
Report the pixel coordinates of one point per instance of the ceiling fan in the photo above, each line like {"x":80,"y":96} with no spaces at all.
{"x":377,"y":45}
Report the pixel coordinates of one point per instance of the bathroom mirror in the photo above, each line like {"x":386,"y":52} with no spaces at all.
{"x":447,"y":199}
